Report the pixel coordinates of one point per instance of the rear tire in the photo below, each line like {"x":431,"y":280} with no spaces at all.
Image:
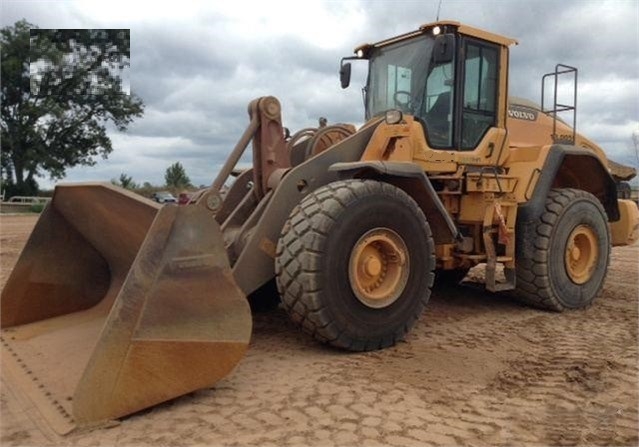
{"x":355,"y":264}
{"x":567,"y":264}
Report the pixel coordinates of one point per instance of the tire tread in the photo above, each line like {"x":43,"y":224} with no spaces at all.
{"x":298,"y":275}
{"x":533,"y":283}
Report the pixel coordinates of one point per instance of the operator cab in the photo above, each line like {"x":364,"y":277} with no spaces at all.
{"x":445,"y":74}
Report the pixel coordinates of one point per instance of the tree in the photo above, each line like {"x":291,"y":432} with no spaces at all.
{"x":175,"y":176}
{"x":125,"y":181}
{"x":60,"y":88}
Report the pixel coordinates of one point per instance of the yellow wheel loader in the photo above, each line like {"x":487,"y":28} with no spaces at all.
{"x":118,"y":303}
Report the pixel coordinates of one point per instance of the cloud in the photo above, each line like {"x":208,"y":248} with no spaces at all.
{"x":198,"y":64}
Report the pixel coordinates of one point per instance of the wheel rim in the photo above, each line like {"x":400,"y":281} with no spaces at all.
{"x":582,"y":253}
{"x":379,"y":267}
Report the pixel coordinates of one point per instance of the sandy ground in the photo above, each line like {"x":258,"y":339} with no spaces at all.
{"x":477,"y":369}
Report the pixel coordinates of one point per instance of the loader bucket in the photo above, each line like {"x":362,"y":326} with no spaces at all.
{"x":117,"y":304}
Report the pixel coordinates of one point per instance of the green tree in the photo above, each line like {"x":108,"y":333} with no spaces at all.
{"x":126,"y":181}
{"x":60,"y":88}
{"x":175,"y":176}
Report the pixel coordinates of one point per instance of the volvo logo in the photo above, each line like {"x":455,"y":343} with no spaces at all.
{"x":521,"y":113}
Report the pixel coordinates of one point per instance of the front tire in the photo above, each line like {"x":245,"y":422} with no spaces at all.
{"x":567,"y":264}
{"x":355,"y":264}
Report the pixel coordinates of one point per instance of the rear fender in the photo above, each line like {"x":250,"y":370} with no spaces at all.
{"x":566,"y":167}
{"x":571,"y":167}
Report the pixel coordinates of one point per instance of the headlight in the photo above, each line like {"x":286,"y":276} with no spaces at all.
{"x":436,"y":31}
{"x":394,"y":116}
{"x":360,"y":53}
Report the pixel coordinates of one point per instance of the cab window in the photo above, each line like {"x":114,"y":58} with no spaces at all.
{"x":479,"y":111}
{"x":398,"y":88}
{"x":438,"y":105}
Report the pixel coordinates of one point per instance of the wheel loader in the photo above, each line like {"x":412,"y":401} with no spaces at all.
{"x":118,"y":303}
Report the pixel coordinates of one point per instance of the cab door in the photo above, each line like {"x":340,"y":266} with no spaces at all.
{"x":477,"y":102}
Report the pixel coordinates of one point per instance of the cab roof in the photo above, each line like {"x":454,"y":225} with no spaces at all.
{"x":445,"y":26}
{"x":471,"y":31}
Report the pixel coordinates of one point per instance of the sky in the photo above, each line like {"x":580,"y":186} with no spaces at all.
{"x":197,"y":65}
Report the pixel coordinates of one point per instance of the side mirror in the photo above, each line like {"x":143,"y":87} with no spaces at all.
{"x":444,"y":49}
{"x":345,"y":74}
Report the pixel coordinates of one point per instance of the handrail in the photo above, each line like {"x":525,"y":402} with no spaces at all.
{"x":560,"y":69}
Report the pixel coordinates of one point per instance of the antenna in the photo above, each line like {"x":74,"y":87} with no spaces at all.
{"x":439,"y":6}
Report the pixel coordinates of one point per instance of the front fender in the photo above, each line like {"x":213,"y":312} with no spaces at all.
{"x":411,"y":179}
